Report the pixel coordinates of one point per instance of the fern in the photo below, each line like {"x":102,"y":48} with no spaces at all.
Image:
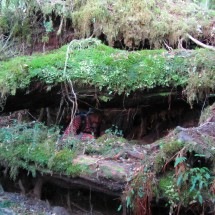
{"x":179,"y":160}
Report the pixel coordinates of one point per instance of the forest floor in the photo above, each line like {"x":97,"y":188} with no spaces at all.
{"x":12,"y":203}
{"x":18,"y":204}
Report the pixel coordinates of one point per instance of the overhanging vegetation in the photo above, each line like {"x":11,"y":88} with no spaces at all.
{"x":93,"y":64}
{"x":133,"y":24}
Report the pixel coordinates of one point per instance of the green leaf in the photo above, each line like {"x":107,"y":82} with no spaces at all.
{"x":201,"y":184}
{"x":119,"y":208}
{"x":200,"y":199}
{"x":199,"y":155}
{"x":128,"y":202}
{"x":179,"y":160}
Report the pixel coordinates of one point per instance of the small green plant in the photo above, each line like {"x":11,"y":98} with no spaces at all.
{"x":189,"y":184}
{"x":114,"y":131}
{"x":199,"y":181}
{"x":173,"y":197}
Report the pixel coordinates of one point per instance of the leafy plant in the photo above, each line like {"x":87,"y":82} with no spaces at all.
{"x":199,"y":180}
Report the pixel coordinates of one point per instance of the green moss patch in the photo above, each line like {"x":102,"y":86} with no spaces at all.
{"x":113,"y":70}
{"x":167,"y":151}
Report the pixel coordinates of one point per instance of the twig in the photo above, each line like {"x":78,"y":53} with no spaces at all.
{"x":69,"y":82}
{"x":6,"y":42}
{"x":168,"y":47}
{"x":75,"y":205}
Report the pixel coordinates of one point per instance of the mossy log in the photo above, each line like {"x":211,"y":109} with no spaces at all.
{"x":111,"y":174}
{"x":103,"y":76}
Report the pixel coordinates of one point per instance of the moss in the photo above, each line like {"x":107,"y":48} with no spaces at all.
{"x":165,"y":181}
{"x":167,"y":151}
{"x":61,"y":162}
{"x":171,"y":148}
{"x":189,"y":190}
{"x":168,"y":189}
{"x":206,"y":114}
{"x":159,"y":162}
{"x":110,"y":69}
{"x":107,"y":172}
{"x":40,"y":154}
{"x":133,"y":21}
{"x":109,"y":144}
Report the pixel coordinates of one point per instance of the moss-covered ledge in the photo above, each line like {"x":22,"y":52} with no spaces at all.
{"x":37,"y":150}
{"x":115,"y":71}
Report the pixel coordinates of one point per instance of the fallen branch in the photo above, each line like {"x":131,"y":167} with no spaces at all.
{"x":200,"y":43}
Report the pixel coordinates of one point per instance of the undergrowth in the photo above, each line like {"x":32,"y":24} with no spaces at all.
{"x":182,"y":174}
{"x":132,"y":21}
{"x":33,"y":147}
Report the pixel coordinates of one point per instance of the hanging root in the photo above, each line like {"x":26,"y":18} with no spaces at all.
{"x":67,"y":86}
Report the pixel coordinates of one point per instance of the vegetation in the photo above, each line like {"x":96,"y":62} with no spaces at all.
{"x":183,"y":179}
{"x":33,"y":147}
{"x":206,"y":114}
{"x":132,"y":23}
{"x":182,"y":173}
{"x":120,"y":71}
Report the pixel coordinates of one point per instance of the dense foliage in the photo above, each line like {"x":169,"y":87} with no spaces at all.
{"x":134,"y":24}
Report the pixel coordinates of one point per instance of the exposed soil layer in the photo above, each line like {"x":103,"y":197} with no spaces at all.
{"x":55,"y":200}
